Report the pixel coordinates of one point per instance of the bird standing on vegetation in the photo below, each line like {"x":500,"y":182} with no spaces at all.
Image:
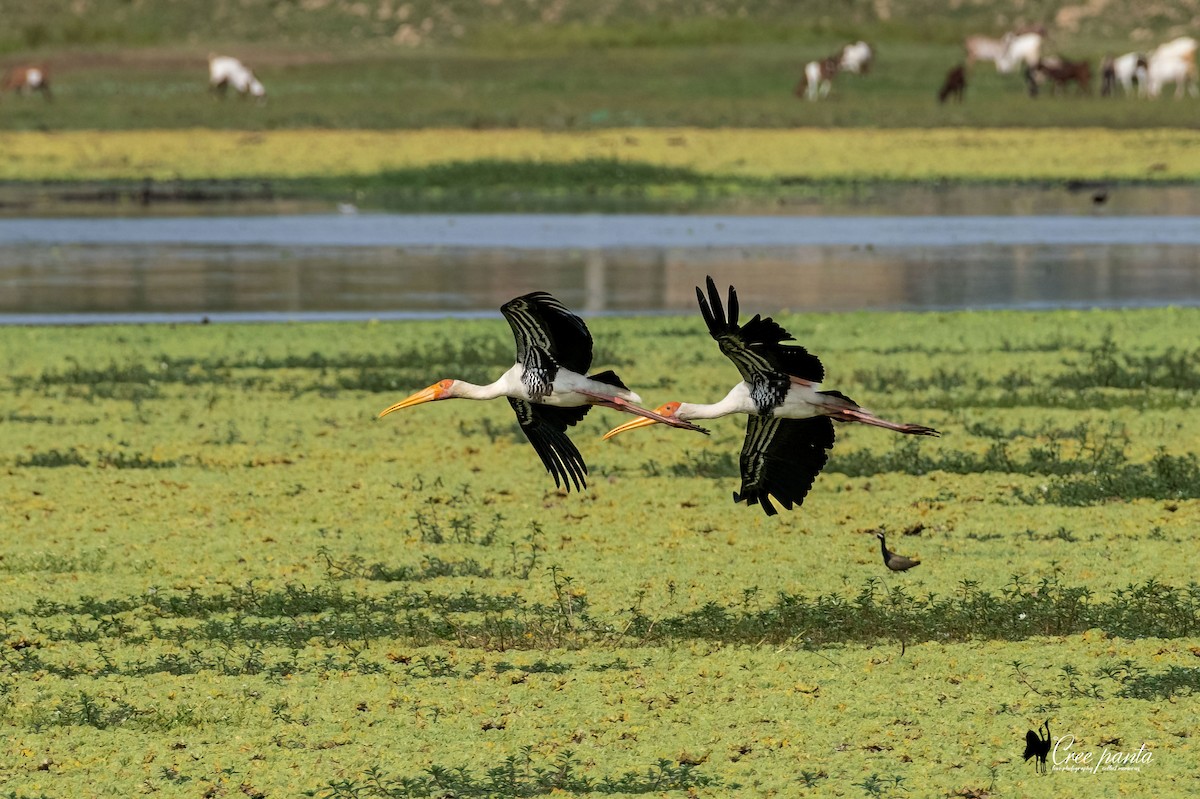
{"x":896,"y":563}
{"x":790,"y":428}
{"x":1038,"y":747}
{"x":548,"y":387}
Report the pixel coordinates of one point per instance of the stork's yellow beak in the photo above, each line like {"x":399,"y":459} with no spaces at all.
{"x":437,"y":391}
{"x":667,"y":410}
{"x":641,"y":421}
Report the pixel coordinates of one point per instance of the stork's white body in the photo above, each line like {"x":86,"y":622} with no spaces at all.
{"x":568,"y":388}
{"x":803,"y":401}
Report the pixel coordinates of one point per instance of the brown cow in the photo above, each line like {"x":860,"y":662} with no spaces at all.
{"x":34,"y":77}
{"x":1060,"y":72}
{"x":955,"y":84}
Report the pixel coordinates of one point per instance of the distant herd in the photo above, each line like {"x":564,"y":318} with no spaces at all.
{"x":1145,"y":74}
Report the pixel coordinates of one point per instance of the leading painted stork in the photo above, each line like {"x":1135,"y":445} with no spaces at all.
{"x":790,"y":428}
{"x":548,"y":387}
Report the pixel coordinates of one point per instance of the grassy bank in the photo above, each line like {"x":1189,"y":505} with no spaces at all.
{"x":222,"y":574}
{"x":624,"y":169}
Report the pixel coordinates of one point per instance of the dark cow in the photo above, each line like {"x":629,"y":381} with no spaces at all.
{"x":1059,"y":72}
{"x":954,"y":85}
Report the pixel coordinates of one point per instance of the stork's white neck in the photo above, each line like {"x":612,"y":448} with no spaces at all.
{"x":461,"y":389}
{"x":736,"y":401}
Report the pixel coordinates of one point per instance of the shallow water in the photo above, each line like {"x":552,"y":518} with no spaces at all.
{"x":390,"y":266}
{"x":596,"y":231}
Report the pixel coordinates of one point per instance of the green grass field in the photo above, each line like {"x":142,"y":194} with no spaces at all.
{"x":222,"y":575}
{"x":719,"y":85}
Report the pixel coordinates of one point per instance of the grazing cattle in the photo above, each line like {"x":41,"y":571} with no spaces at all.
{"x":818,"y":78}
{"x":1059,"y":72}
{"x":27,"y":77}
{"x":1129,"y":70}
{"x":225,"y":71}
{"x":954,"y":85}
{"x":856,"y":58}
{"x":1173,"y":62}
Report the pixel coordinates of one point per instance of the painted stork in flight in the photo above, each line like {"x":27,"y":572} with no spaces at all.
{"x":790,"y":428}
{"x":548,"y":387}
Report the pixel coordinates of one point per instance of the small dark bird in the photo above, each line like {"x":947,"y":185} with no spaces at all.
{"x":1036,"y":746}
{"x":1100,"y":197}
{"x":896,"y":563}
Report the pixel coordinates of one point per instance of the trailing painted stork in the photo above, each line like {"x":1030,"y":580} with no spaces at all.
{"x":790,"y":428}
{"x":548,"y":387}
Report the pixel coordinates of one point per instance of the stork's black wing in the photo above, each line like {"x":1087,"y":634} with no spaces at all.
{"x":548,"y":336}
{"x":1033,"y":744}
{"x":545,"y":426}
{"x":756,"y":347}
{"x":781,"y":458}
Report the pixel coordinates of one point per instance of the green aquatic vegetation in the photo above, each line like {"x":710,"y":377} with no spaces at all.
{"x":53,"y":459}
{"x":1164,"y":477}
{"x":430,"y":568}
{"x":287,"y":620}
{"x":1107,"y":366}
{"x":1136,"y":683}
{"x":526,"y":776}
{"x":236,"y":558}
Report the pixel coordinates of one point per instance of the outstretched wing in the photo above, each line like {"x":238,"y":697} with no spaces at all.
{"x":545,"y":426}
{"x":548,"y":336}
{"x":756,"y":347}
{"x":781,"y":458}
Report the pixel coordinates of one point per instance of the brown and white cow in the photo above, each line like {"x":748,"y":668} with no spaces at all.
{"x":27,"y":77}
{"x":818,"y":78}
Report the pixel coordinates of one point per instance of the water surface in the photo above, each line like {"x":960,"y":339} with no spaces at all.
{"x":394,"y":266}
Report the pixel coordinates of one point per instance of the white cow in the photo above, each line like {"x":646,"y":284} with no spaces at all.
{"x":1020,"y":50}
{"x":1173,"y":62}
{"x":1008,"y":52}
{"x":225,"y":71}
{"x":983,"y":48}
{"x":856,"y":58}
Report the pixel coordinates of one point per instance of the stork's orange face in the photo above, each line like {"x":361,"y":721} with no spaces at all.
{"x":669,"y":410}
{"x":438,"y":391}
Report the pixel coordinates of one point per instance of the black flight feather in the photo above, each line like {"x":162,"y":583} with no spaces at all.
{"x":545,"y":427}
{"x":781,"y":458}
{"x":756,"y":348}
